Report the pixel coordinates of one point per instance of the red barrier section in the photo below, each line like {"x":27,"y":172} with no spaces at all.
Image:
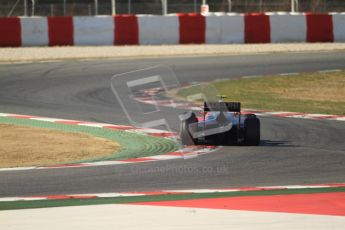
{"x":10,"y":32}
{"x":126,"y":30}
{"x":60,"y":31}
{"x":192,"y":28}
{"x":319,"y":28}
{"x":257,"y":28}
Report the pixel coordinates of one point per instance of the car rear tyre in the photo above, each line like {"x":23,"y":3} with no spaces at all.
{"x":252,"y":131}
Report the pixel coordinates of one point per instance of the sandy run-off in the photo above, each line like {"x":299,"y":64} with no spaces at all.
{"x":29,"y":146}
{"x":25,"y":54}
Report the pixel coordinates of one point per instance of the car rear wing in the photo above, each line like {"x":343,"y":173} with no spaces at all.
{"x":222,"y":106}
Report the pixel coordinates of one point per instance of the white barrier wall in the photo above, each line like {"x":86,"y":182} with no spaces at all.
{"x":93,"y":30}
{"x":217,"y":28}
{"x":339,"y":27}
{"x":34,"y":31}
{"x":155,"y":30}
{"x":224,"y":29}
{"x":287,"y":28}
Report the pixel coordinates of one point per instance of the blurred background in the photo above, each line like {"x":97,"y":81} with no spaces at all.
{"x":108,"y":7}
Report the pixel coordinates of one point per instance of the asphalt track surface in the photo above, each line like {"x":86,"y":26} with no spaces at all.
{"x":293,"y":151}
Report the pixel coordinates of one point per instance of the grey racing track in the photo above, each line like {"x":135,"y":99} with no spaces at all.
{"x":293,"y":151}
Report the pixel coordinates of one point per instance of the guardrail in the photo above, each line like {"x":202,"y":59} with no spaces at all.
{"x":172,"y":29}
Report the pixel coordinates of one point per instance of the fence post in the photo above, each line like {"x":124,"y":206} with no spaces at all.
{"x":230,"y":5}
{"x":294,"y":5}
{"x":32,"y":7}
{"x":25,"y":8}
{"x":113,"y":7}
{"x":164,"y":7}
{"x":96,"y":7}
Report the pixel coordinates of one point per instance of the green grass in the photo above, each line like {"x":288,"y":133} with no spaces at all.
{"x":306,"y":93}
{"x":124,"y":200}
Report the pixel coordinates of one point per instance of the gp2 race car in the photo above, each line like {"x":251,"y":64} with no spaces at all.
{"x":221,"y":124}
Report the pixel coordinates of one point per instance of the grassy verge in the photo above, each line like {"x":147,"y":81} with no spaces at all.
{"x":122,"y":200}
{"x":306,"y":93}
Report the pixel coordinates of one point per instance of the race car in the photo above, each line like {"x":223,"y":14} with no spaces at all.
{"x":220,"y":123}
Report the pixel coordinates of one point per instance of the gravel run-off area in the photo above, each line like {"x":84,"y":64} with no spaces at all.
{"x":29,"y":54}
